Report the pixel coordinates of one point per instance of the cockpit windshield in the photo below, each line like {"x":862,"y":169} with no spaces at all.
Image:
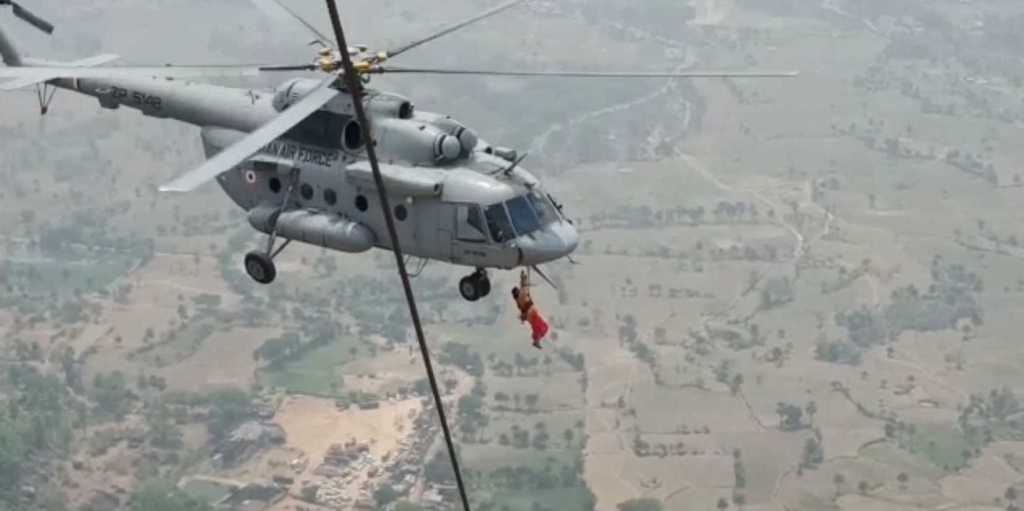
{"x":520,"y":216}
{"x":524,"y":218}
{"x":498,"y":223}
{"x":546,"y":212}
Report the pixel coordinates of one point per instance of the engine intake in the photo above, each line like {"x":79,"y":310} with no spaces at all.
{"x":390,"y":105}
{"x":416,"y":143}
{"x":467,"y":138}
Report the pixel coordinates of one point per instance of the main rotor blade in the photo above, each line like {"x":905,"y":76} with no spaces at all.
{"x":296,"y":67}
{"x":275,"y":8}
{"x":452,"y":28}
{"x":587,"y":74}
{"x":252,"y":143}
{"x":44,"y":73}
{"x":28,"y":17}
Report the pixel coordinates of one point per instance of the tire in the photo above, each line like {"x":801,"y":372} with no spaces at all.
{"x":260,"y":267}
{"x":469,"y":289}
{"x":483,"y":286}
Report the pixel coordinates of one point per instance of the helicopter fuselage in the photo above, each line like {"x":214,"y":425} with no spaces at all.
{"x":454,"y":198}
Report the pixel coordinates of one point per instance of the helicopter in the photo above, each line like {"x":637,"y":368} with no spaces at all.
{"x":296,"y":157}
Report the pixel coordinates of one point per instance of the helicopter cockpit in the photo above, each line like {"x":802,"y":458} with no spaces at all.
{"x":535,"y":223}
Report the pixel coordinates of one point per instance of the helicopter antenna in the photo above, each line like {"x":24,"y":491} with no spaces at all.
{"x":355,"y":88}
{"x":515,"y":164}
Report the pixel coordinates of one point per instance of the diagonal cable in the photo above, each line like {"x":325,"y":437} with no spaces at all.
{"x":355,"y":88}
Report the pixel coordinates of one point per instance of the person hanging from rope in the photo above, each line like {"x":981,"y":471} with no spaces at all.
{"x":528,"y":311}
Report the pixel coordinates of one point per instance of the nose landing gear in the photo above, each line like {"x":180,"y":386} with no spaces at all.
{"x":475,"y":286}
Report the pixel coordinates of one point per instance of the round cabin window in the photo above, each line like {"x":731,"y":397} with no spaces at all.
{"x":401,"y":213}
{"x":307,"y":191}
{"x":361,"y":203}
{"x":275,"y":184}
{"x":330,"y":197}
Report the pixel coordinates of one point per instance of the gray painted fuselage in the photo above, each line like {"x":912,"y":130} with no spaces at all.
{"x":414,"y":147}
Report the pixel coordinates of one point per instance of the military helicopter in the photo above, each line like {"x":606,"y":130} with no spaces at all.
{"x":295,"y":157}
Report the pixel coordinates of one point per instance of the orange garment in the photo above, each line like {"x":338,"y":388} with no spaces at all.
{"x":528,"y":312}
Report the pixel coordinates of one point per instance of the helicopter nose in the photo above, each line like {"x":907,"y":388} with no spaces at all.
{"x":555,"y":241}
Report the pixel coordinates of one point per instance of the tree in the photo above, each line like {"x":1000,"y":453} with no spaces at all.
{"x":789,"y":416}
{"x":813,"y":453}
{"x":112,"y":394}
{"x":645,"y":504}
{"x":838,"y":480}
{"x":162,"y":432}
{"x":862,"y":487}
{"x":228,"y":409}
{"x":531,"y":401}
{"x":903,"y":478}
{"x":384,"y":496}
{"x":722,"y":504}
{"x":811,"y":408}
{"x":13,"y":453}
{"x":736,"y":384}
{"x":1011,"y":495}
{"x":568,"y":435}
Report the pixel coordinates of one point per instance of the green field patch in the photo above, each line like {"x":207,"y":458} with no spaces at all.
{"x":38,"y":275}
{"x":317,"y":371}
{"x":179,"y":344}
{"x":944,"y":447}
{"x":577,"y":498}
{"x":488,"y":458}
{"x":522,"y":478}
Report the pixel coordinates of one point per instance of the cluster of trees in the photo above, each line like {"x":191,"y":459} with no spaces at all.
{"x":228,"y":409}
{"x":812,"y":455}
{"x":520,"y":366}
{"x":949,"y":300}
{"x":522,"y":439}
{"x":472,"y":416}
{"x":521,"y":478}
{"x":646,"y":217}
{"x":37,"y":418}
{"x":791,"y":415}
{"x":529,"y":401}
{"x":838,"y":352}
{"x":575,"y":360}
{"x":112,"y":396}
{"x":460,"y":355}
{"x":776,"y":292}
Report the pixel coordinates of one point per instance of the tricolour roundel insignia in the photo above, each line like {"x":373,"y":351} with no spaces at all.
{"x":250,"y":177}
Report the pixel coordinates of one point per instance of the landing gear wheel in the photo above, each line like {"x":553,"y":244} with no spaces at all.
{"x":469,"y":289}
{"x":483,"y":285}
{"x":260,"y":267}
{"x":476,"y":286}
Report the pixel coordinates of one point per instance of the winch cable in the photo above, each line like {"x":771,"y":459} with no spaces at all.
{"x":355,"y":88}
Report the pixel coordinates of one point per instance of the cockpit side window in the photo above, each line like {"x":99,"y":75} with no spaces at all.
{"x":499,"y":224}
{"x":470,"y":224}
